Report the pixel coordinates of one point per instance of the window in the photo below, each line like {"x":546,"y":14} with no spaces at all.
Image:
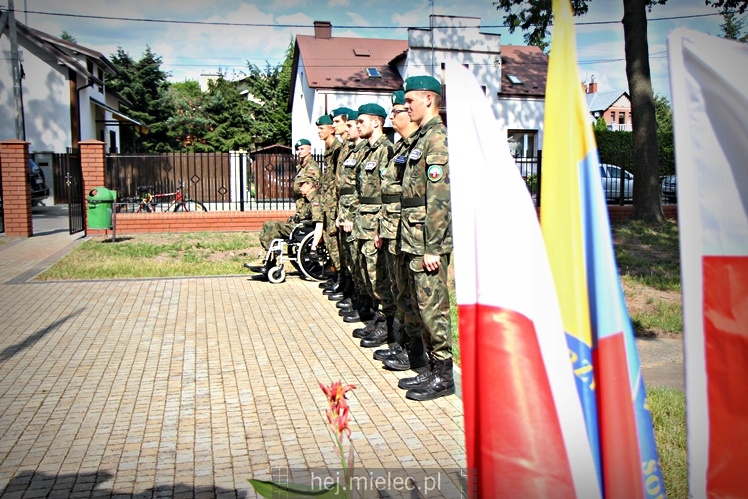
{"x":622,"y":118}
{"x":516,"y":80}
{"x":373,"y":73}
{"x":524,"y":149}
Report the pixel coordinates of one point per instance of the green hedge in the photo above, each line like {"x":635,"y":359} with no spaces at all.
{"x":616,"y":148}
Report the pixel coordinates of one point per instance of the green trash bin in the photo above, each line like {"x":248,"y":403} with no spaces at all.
{"x":100,"y":204}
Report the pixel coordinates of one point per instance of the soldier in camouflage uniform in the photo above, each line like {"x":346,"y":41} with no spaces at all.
{"x":343,"y":288}
{"x":366,"y":223}
{"x":407,"y":353}
{"x":278,"y":229}
{"x":316,"y":212}
{"x":347,"y":206}
{"x":329,"y":192}
{"x":426,"y":236}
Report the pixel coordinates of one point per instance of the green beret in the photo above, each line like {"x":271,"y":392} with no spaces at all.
{"x":324,"y":120}
{"x":301,"y":142}
{"x":352,"y":115}
{"x":398,"y":98}
{"x":422,"y":83}
{"x":342,"y":111}
{"x":373,"y":109}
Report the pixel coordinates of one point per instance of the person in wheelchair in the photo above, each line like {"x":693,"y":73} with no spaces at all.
{"x":278,"y":229}
{"x":295,"y":231}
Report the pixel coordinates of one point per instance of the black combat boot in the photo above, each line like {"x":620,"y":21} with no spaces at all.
{"x":385,"y":334}
{"x":355,"y":302}
{"x":416,"y":381}
{"x":345,"y":303}
{"x":337,"y":286}
{"x":368,"y":310}
{"x":388,"y":353}
{"x":363,"y":313}
{"x":329,"y":282}
{"x":345,"y":291}
{"x":371,"y":326}
{"x":440,"y":384}
{"x":411,"y":357}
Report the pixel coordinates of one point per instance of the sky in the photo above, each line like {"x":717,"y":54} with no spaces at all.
{"x":226,"y":34}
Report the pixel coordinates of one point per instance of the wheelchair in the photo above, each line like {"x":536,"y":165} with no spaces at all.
{"x":295,"y":249}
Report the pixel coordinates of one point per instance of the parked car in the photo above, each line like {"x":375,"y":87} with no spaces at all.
{"x":611,"y":177}
{"x":668,"y":187}
{"x":39,"y":189}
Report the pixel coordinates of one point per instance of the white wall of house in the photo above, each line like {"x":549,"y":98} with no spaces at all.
{"x":46,"y":99}
{"x":46,"y":102}
{"x":456,"y":39}
{"x":310,"y":104}
{"x":522,"y":113}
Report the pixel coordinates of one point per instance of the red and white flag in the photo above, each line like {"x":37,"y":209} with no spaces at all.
{"x":708,"y":78}
{"x":524,"y":427}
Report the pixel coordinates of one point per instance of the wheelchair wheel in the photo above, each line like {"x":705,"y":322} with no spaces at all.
{"x":276,"y":275}
{"x":316,"y":269}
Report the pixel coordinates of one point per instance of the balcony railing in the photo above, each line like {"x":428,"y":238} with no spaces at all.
{"x":620,"y":127}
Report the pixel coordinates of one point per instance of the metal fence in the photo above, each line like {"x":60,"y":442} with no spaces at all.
{"x":263,"y":180}
{"x":241,"y":181}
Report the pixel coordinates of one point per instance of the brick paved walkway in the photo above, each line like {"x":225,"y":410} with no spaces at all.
{"x":187,"y":387}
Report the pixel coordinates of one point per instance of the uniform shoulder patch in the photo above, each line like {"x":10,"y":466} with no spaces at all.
{"x":435,"y":173}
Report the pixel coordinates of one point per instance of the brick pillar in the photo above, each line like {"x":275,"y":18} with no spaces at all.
{"x":14,"y":157}
{"x":93,"y":168}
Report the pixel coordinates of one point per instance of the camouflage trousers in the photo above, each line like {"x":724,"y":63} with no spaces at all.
{"x":275,"y":229}
{"x":349,"y":255}
{"x":375,"y":274}
{"x":430,"y":295}
{"x":330,"y":237}
{"x":394,"y":262}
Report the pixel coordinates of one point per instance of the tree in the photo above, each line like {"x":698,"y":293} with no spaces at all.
{"x":229,"y":118}
{"x":68,"y":37}
{"x":188,"y":125}
{"x":145,"y":85}
{"x":663,"y":114}
{"x":729,"y":5}
{"x":268,"y":92}
{"x":600,"y":124}
{"x":732,"y":29}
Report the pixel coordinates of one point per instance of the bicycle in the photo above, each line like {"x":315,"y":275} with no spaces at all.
{"x":148,"y":201}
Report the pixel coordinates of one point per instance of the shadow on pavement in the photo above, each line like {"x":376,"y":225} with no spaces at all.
{"x":10,"y":351}
{"x":33,"y":484}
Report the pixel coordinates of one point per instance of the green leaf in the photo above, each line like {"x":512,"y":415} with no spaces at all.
{"x":272,"y":490}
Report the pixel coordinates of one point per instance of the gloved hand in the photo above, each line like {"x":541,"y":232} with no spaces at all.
{"x":312,"y":255}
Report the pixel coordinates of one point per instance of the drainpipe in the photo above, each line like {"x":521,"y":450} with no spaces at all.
{"x":78,"y":103}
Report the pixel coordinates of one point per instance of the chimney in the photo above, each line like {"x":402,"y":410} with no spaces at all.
{"x":322,"y":30}
{"x":593,"y":86}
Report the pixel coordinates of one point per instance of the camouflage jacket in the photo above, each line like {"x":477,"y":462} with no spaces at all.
{"x":392,"y":187}
{"x":329,"y":188}
{"x":309,"y":168}
{"x":426,"y":223}
{"x":369,"y":186}
{"x":348,"y":202}
{"x":315,"y":206}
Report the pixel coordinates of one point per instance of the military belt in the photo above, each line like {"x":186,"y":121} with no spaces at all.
{"x":370,"y":200}
{"x":390,"y":198}
{"x":413,"y":202}
{"x":344,"y":191}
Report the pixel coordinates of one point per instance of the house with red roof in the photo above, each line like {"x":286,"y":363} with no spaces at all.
{"x":613,"y":106}
{"x":329,"y":72}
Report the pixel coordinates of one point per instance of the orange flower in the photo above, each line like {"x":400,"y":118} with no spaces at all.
{"x":338,"y":414}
